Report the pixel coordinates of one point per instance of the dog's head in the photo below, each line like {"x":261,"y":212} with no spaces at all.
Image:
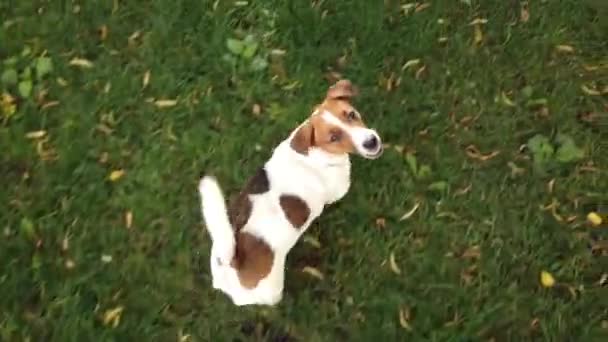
{"x":337,"y":127}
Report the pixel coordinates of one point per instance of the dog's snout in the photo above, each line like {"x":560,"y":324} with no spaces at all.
{"x":371,"y":143}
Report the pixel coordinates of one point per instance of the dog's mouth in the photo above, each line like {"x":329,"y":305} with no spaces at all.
{"x":373,"y":155}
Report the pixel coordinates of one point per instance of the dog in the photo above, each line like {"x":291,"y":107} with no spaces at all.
{"x":307,"y":171}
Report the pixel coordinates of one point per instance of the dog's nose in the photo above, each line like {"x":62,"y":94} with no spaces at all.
{"x":371,"y":143}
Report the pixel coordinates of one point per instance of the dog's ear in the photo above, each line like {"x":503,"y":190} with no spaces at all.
{"x":343,"y":89}
{"x":304,"y":138}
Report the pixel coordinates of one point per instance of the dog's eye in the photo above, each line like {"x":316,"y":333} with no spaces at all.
{"x":351,"y":115}
{"x":334,"y":137}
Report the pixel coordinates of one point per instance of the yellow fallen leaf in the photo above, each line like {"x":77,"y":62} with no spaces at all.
{"x":103,"y":32}
{"x":410,"y":63}
{"x":410,"y":212}
{"x":116,"y":175}
{"x":590,"y":91}
{"x":311,"y":240}
{"x":404,"y":318}
{"x":524,"y":13}
{"x":35,"y":134}
{"x":506,"y":100}
{"x":564,"y":48}
{"x":478,"y":21}
{"x":393,"y":264}
{"x":129,"y":219}
{"x":81,"y":62}
{"x":112,"y":316}
{"x":70,"y":264}
{"x":546,"y":279}
{"x":313,"y":272}
{"x":478,"y":35}
{"x":594,"y":219}
{"x":146,"y":80}
{"x":165,"y":103}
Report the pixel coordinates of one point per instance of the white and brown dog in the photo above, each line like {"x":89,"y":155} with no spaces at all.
{"x":307,"y":171}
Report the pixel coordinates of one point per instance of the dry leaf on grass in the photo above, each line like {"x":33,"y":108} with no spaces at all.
{"x":473,"y":252}
{"x":404,"y":317}
{"x":129,"y":219}
{"x":594,"y":219}
{"x":112,"y":316}
{"x":165,"y":103}
{"x":81,"y":62}
{"x":313,"y":272}
{"x":410,"y":63}
{"x":546,"y":279}
{"x":410,"y":212}
{"x":590,"y":91}
{"x":103,"y":32}
{"x":380,"y":223}
{"x":524,"y":13}
{"x":393,"y":264}
{"x":564,"y":48}
{"x":116,"y":175}
{"x":146,"y":79}
{"x":473,"y":152}
{"x":311,"y":240}
{"x":36,"y":134}
{"x":70,"y":264}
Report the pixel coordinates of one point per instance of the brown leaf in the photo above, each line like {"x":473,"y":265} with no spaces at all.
{"x":165,"y":103}
{"x":410,"y":212}
{"x":524,"y":14}
{"x":112,"y":316}
{"x":473,"y":152}
{"x":36,"y":134}
{"x":404,"y":317}
{"x":393,"y":264}
{"x":590,"y":91}
{"x":420,"y":72}
{"x":380,"y":222}
{"x":478,"y":34}
{"x":473,"y":252}
{"x":256,"y":109}
{"x":70,"y":264}
{"x":422,"y":7}
{"x":103,"y":32}
{"x":410,"y":63}
{"x":313,"y":272}
{"x":146,"y":79}
{"x":464,"y":190}
{"x":49,"y":104}
{"x":564,"y":48}
{"x":129,"y":219}
{"x":81,"y":62}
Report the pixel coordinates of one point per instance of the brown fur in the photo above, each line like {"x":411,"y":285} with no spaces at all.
{"x":295,"y":209}
{"x":240,"y":208}
{"x":253,"y":259}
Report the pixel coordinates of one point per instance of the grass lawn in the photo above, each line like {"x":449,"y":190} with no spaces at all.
{"x":493,"y":112}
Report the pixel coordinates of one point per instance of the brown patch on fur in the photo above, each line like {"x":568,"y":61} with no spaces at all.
{"x":304,"y":138}
{"x":295,"y":209}
{"x":240,"y":206}
{"x":253,"y":259}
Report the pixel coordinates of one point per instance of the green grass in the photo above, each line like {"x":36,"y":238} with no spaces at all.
{"x":105,"y":120}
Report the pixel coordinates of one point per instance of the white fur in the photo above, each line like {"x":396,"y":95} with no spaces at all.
{"x":319,"y":178}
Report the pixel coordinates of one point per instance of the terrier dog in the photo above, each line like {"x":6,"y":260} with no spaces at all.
{"x":307,"y":171}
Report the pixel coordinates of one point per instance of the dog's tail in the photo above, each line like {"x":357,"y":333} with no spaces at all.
{"x":216,"y":219}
